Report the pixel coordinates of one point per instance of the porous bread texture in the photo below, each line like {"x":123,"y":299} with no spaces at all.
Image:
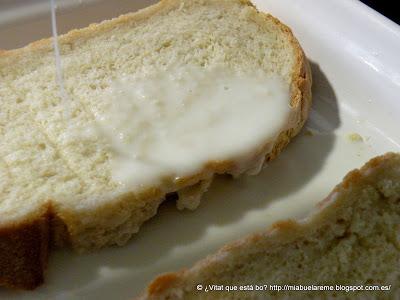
{"x":52,"y":169}
{"x":353,"y":238}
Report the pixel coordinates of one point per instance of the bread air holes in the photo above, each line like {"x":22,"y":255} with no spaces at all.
{"x":163,"y":46}
{"x":300,"y":266}
{"x":341,"y":221}
{"x":166,"y":44}
{"x":98,"y":86}
{"x":19,"y":100}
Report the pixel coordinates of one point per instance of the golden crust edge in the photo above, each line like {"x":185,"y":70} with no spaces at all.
{"x":24,"y":246}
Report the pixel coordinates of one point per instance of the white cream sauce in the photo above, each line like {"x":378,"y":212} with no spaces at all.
{"x":173,"y":122}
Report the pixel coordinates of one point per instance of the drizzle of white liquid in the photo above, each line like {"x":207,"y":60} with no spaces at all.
{"x":59,"y":71}
{"x":171,"y":123}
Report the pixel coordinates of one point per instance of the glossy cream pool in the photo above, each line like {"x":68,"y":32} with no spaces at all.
{"x":172,"y":122}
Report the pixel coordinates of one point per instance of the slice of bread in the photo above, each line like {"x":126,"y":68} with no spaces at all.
{"x":352,"y":239}
{"x":56,"y":182}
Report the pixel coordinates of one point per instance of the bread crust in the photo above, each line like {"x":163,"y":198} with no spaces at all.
{"x":24,"y":247}
{"x":278,"y":234}
{"x":24,"y":252}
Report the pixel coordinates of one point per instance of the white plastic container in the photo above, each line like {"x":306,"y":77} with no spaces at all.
{"x":354,"y":55}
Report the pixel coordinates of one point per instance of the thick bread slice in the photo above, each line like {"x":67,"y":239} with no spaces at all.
{"x":352,"y":239}
{"x":54,"y":180}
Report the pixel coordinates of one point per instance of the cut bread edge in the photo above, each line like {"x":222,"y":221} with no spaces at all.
{"x":24,"y":249}
{"x":281,"y":232}
{"x":24,"y":246}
